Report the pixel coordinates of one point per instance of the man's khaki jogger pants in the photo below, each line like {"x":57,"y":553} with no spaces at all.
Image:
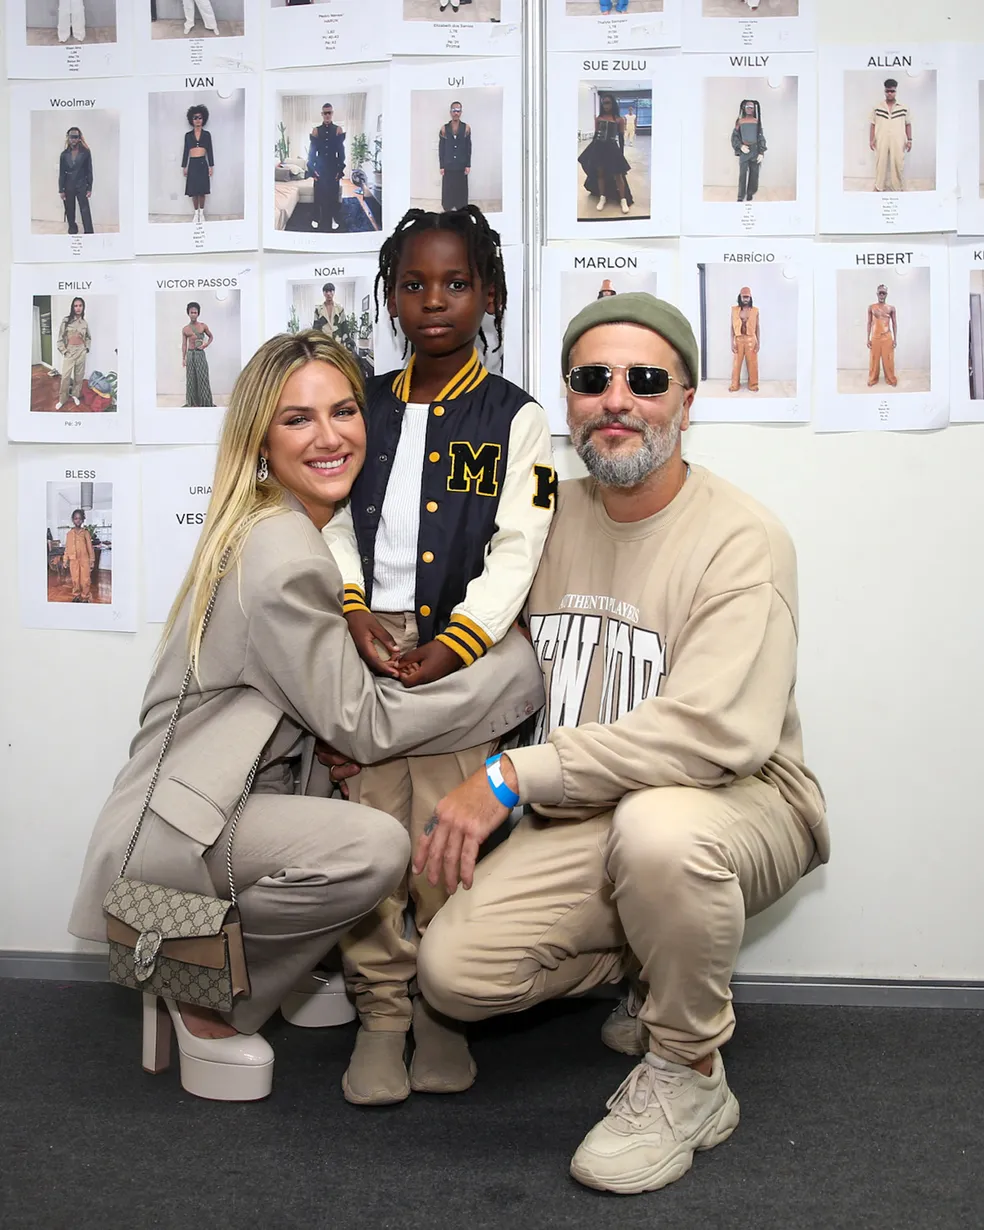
{"x":669,"y":876}
{"x":378,"y":957}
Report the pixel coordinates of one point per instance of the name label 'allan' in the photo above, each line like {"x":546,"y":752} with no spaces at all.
{"x":889,"y":61}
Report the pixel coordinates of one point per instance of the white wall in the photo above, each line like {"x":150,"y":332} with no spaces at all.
{"x":44,"y":13}
{"x":102,"y":314}
{"x":167,"y":116}
{"x":908,"y":293}
{"x":481,"y":108}
{"x":980,"y":130}
{"x":776,"y":298}
{"x":722,"y":99}
{"x":225,"y":352}
{"x":863,"y":90}
{"x":101,"y":132}
{"x":887,"y":528}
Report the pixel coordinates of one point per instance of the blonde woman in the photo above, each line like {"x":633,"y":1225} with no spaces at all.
{"x":275,"y":670}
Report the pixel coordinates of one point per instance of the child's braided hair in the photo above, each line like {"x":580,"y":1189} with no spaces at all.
{"x":484,"y":255}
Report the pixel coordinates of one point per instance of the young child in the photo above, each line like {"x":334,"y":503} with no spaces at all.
{"x":80,"y":557}
{"x":437,"y":550}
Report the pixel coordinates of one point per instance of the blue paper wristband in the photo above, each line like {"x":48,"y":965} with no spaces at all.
{"x":493,"y":771}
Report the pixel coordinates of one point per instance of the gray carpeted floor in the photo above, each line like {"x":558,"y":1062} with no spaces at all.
{"x":851,"y":1118}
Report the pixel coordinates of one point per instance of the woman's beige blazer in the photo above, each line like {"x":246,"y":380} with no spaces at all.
{"x":277,"y":668}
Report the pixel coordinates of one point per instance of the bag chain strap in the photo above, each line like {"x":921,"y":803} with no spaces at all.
{"x":168,"y":734}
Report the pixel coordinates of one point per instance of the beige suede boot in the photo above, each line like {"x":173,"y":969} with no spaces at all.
{"x":377,"y":1073}
{"x":441,"y":1060}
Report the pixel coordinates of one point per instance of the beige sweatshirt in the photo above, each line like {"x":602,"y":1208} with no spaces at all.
{"x":668,"y":648}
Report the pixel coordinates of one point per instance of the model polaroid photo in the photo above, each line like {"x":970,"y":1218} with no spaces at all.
{"x":885,"y":365}
{"x":751,"y":302}
{"x":966,"y":331}
{"x":77,"y":538}
{"x":333,"y":296}
{"x":887,"y":140}
{"x":753,"y":117}
{"x":175,"y":488}
{"x":457,"y":27}
{"x":612,"y":25}
{"x":71,"y":354}
{"x":304,"y":33}
{"x":323,"y":160}
{"x":574,"y":276}
{"x":392,"y":348}
{"x":750,"y":25}
{"x":77,"y":204}
{"x":196,"y":37}
{"x":607,"y":144}
{"x":196,"y":184}
{"x":970,"y":127}
{"x":201,"y":325}
{"x":69,"y":38}
{"x":453,"y":142}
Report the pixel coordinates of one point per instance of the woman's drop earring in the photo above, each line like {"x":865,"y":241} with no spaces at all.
{"x":262,"y":470}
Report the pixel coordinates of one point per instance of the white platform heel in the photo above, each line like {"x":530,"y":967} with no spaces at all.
{"x":238,"y":1069}
{"x":318,"y":1001}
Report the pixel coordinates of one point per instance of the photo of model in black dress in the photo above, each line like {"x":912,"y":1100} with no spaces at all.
{"x":603,"y":161}
{"x":198,"y":160}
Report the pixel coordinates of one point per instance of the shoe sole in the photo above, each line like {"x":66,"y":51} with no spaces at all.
{"x":675,"y":1167}
{"x":419,"y":1086}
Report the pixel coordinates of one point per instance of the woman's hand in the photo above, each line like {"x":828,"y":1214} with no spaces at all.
{"x":365,"y":629}
{"x":462,"y":820}
{"x":339,"y":766}
{"x":427,"y":663}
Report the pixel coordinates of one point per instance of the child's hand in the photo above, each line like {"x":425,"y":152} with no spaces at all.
{"x":427,"y":663}
{"x":366,"y":630}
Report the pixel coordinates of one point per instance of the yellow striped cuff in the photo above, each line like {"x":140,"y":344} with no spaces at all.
{"x":466,"y":644}
{"x":353,"y":599}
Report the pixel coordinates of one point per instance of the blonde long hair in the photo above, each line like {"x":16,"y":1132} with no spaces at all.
{"x":238,"y":501}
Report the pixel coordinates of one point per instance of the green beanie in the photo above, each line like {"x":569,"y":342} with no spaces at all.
{"x":636,"y":307}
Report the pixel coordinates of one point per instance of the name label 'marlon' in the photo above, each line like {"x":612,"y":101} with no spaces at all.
{"x":889,"y":61}
{"x":883,"y":258}
{"x":606,"y":262}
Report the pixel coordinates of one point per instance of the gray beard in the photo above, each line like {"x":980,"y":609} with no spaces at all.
{"x":617,"y":469}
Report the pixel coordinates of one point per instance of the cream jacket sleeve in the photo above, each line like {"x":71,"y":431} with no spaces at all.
{"x":719,"y":715}
{"x":495,"y":597}
{"x":339,"y":534}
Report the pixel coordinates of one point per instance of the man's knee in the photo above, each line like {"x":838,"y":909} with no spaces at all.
{"x":443,"y":969}
{"x":386,"y":851}
{"x":667,"y":832}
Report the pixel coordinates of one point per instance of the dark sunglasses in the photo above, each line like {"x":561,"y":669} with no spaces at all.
{"x":592,"y":379}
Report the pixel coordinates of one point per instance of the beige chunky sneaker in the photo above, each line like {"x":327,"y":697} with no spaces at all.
{"x":441,"y":1060}
{"x":623,"y":1031}
{"x":377,"y":1073}
{"x":658,"y":1117}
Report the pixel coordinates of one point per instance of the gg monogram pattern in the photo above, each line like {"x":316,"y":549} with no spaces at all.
{"x":177,"y":980}
{"x":175,"y":914}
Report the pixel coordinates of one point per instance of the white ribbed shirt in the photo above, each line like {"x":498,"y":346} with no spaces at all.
{"x":394,"y":586}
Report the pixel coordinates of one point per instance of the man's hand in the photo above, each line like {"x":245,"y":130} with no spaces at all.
{"x":872,"y":144}
{"x":365,"y":629}
{"x":760,"y":157}
{"x":339,"y":766}
{"x":744,"y":149}
{"x":461,"y":822}
{"x":869,"y":343}
{"x":427,"y":663}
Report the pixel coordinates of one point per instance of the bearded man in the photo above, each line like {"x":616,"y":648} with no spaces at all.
{"x":667,"y":796}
